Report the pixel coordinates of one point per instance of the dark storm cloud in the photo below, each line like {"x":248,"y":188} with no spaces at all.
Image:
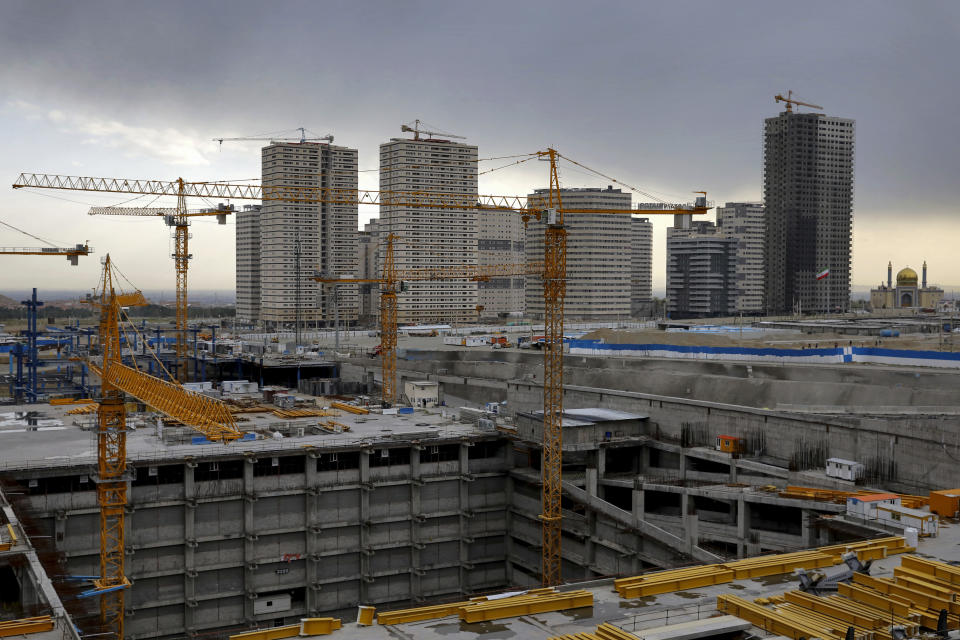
{"x":666,"y":95}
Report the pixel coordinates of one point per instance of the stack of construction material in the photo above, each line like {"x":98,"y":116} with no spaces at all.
{"x":870,"y":549}
{"x":779,"y":563}
{"x":923,"y":593}
{"x":838,"y":496}
{"x":537,"y":601}
{"x":605,"y":631}
{"x":494,"y":607}
{"x":651,"y":584}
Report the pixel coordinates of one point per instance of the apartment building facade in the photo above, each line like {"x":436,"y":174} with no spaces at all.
{"x":701,"y":270}
{"x":248,"y":264}
{"x":641,"y":267}
{"x":745,"y":222}
{"x":808,"y":196}
{"x":501,"y":242}
{"x":295,"y":240}
{"x":368,"y":246}
{"x":599,"y":256}
{"x":429,"y":237}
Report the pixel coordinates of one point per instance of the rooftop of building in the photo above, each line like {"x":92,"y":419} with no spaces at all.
{"x":43,"y":436}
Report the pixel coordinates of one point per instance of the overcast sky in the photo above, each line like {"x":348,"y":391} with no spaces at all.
{"x":667,"y":96}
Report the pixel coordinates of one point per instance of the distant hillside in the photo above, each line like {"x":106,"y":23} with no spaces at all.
{"x":7,"y":303}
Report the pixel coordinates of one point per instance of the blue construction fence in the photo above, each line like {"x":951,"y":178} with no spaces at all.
{"x":835,"y":355}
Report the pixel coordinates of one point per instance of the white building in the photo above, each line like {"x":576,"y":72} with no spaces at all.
{"x":641,"y":267}
{"x":298,"y":239}
{"x":744,"y":221}
{"x":248,"y":264}
{"x":599,"y":256}
{"x":501,"y":242}
{"x":701,"y":269}
{"x":369,"y":269}
{"x":431,"y":237}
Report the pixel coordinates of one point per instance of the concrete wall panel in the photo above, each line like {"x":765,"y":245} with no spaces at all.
{"x":218,"y":519}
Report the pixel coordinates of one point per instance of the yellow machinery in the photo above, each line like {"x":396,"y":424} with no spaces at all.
{"x":390,"y":284}
{"x":554,"y":279}
{"x":210,"y":417}
{"x":790,"y":101}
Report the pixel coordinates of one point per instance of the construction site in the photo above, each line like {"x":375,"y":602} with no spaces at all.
{"x":543,"y":480}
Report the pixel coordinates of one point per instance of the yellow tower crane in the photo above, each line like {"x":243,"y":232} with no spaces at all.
{"x":206,"y":415}
{"x":72,"y":253}
{"x":790,"y":101}
{"x":390,"y":285}
{"x":549,"y":206}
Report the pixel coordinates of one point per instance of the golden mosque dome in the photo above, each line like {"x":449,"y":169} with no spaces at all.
{"x":907,"y":277}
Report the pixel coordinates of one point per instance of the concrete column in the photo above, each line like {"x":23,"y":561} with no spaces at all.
{"x":808,"y":531}
{"x":683,"y":465}
{"x":508,"y":520}
{"x":592,"y":483}
{"x":365,"y":488}
{"x":311,"y":521}
{"x":743,"y":527}
{"x":685,"y":516}
{"x":416,"y":512}
{"x":733,"y":470}
{"x":644,"y":459}
{"x":601,"y":461}
{"x":465,"y":540}
{"x":190,"y":544}
{"x":250,"y":538}
{"x":637,"y":502}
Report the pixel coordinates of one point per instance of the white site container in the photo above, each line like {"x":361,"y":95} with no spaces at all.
{"x":844,"y":469}
{"x":865,"y":507}
{"x":928,"y":524}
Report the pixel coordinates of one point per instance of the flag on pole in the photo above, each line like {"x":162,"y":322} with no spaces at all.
{"x":823,"y":274}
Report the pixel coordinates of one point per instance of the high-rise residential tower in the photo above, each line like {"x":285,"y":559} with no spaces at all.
{"x":808,"y":197}
{"x":641,"y":267}
{"x":298,"y":239}
{"x":744,"y":221}
{"x":248,"y":264}
{"x":424,"y":237}
{"x":599,"y":256}
{"x":369,"y":269}
{"x":500,"y":242}
{"x":701,"y":269}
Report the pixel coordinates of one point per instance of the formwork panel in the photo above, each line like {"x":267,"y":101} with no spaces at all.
{"x":483,"y":548}
{"x":278,"y":575}
{"x":155,"y":559}
{"x":150,"y":525}
{"x":155,"y":621}
{"x":389,"y":588}
{"x":278,"y":512}
{"x":338,"y":539}
{"x":487,"y":492}
{"x":441,"y":580}
{"x":218,"y":519}
{"x":342,"y":595}
{"x":487,"y":522}
{"x":389,"y":533}
{"x":219,"y":611}
{"x":342,"y":566}
{"x":154,"y":590}
{"x":391,"y":501}
{"x":81,"y":533}
{"x":390,"y":560}
{"x":433,"y":528}
{"x":228,"y":580}
{"x":337,"y":506}
{"x":438,"y":497}
{"x":218,"y":552}
{"x":279,"y":547}
{"x":440,"y":553}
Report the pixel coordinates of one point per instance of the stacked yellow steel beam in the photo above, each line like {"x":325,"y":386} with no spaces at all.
{"x":605,"y":631}
{"x":779,"y":563}
{"x":350,"y":408}
{"x":673,"y":580}
{"x":24,"y":626}
{"x":494,"y":608}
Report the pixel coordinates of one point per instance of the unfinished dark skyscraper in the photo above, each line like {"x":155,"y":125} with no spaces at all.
{"x":808,"y":195}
